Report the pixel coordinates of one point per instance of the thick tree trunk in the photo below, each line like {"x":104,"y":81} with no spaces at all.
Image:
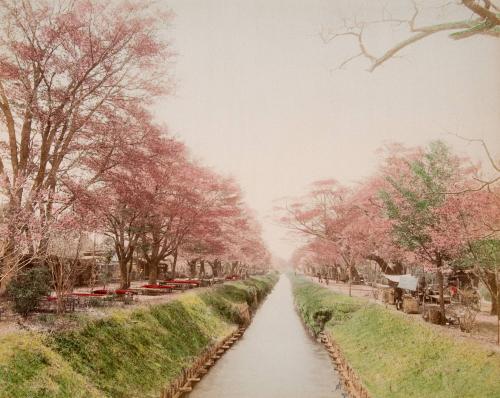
{"x":124,"y":274}
{"x":497,"y":279}
{"x":350,"y":280}
{"x":129,"y":270}
{"x":216,"y":268}
{"x":211,"y":265}
{"x":234,"y":265}
{"x":440,"y":279}
{"x":494,"y":305}
{"x":10,"y":262}
{"x":192,"y":267}
{"x":202,"y":269}
{"x":385,"y":267}
{"x":490,"y":281}
{"x":174,"y":264}
{"x":215,"y":265}
{"x":153,"y":272}
{"x":8,"y":273}
{"x":398,"y":268}
{"x":355,"y":273}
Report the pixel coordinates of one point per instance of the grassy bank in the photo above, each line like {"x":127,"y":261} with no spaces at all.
{"x":395,"y":356}
{"x":130,"y":353}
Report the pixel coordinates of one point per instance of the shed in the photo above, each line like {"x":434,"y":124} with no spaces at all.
{"x":405,"y":282}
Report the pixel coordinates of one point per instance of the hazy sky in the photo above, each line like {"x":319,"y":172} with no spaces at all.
{"x":259,"y":96}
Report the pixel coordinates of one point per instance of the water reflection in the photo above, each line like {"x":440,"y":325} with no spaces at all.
{"x":274,"y":359}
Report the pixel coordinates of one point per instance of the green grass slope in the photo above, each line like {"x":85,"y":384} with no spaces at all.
{"x":130,"y":353}
{"x":28,"y":368}
{"x":396,"y":356}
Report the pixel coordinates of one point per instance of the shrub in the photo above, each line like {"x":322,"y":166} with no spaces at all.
{"x":28,"y":288}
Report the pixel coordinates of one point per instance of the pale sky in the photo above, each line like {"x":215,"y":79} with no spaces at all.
{"x":259,"y":96}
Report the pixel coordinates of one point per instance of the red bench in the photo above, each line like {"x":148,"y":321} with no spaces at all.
{"x":119,"y":292}
{"x":191,"y":282}
{"x":157,"y":287}
{"x":87,"y":294}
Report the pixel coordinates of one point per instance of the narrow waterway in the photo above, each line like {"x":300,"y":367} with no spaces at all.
{"x":274,"y":359}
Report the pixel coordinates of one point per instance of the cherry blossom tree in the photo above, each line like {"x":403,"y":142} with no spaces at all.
{"x":328,"y":212}
{"x":433,"y":225}
{"x":251,"y":252}
{"x":209,"y":241}
{"x":401,"y":215}
{"x":226,"y":233}
{"x":480,"y":253}
{"x":172,"y":208}
{"x":71,"y":75}
{"x":318,"y":256}
{"x":123,"y":198}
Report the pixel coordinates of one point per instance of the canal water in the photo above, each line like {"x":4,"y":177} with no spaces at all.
{"x":275,"y":358}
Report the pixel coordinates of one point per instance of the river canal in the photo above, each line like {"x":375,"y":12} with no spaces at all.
{"x":276,"y":358}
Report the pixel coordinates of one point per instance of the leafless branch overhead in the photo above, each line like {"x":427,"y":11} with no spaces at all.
{"x":485,"y":20}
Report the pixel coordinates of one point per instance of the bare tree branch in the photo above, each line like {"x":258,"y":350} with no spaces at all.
{"x":486,"y":22}
{"x":485,"y":184}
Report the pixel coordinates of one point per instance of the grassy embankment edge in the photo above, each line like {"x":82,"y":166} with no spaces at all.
{"x":396,"y":356}
{"x":128,"y":353}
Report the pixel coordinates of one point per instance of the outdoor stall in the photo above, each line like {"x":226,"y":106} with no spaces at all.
{"x":386,"y":293}
{"x":409,"y":285}
{"x":402,"y":291}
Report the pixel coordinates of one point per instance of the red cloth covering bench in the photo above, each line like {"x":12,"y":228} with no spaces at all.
{"x":184,"y":281}
{"x":125,"y":291}
{"x":156,"y":287}
{"x":86,"y":294}
{"x":120,"y":292}
{"x":77,"y":294}
{"x":102,"y":291}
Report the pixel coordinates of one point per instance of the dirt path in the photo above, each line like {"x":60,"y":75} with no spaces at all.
{"x":485,"y":331}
